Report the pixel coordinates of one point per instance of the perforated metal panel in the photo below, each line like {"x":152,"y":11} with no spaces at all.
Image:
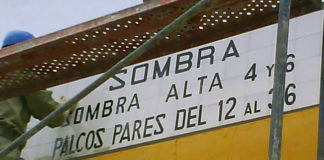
{"x":93,"y":47}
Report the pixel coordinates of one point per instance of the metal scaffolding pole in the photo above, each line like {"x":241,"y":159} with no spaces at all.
{"x":320,"y":140}
{"x":106,"y":75}
{"x":279,"y":81}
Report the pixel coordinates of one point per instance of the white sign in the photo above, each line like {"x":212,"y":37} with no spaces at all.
{"x":212,"y":85}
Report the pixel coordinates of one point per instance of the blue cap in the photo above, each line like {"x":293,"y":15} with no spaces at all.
{"x":14,"y":37}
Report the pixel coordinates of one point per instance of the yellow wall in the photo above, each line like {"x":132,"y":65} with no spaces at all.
{"x":248,"y":141}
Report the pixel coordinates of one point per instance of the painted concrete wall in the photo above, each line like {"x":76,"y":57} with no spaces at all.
{"x":247,"y":141}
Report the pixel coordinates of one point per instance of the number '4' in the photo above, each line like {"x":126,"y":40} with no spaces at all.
{"x":251,"y":73}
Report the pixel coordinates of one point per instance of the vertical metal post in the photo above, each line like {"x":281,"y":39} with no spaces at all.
{"x":106,"y":75}
{"x":279,"y":81}
{"x":320,"y":140}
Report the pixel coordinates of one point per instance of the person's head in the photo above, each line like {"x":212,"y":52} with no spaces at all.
{"x":14,"y":37}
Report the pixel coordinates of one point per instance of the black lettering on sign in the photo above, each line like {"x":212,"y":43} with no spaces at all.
{"x":228,"y":114}
{"x":120,"y":81}
{"x":251,"y":74}
{"x":157,"y":69}
{"x":185,"y":94}
{"x":134,"y":103}
{"x":210,"y":56}
{"x":120,"y":104}
{"x":270,"y":92}
{"x":230,"y":51}
{"x":78,"y":114}
{"x":216,"y":82}
{"x":290,"y":97}
{"x":79,"y":149}
{"x":76,"y":143}
{"x":139,"y":129}
{"x":290,"y":65}
{"x":270,"y":70}
{"x":126,"y":133}
{"x":96,"y":145}
{"x":136,"y":129}
{"x":159,"y":122}
{"x":57,"y":145}
{"x":147,"y":126}
{"x":249,"y":110}
{"x":92,"y":114}
{"x":187,"y":63}
{"x":256,"y":110}
{"x":201,"y":83}
{"x":71,"y":150}
{"x":144,"y":78}
{"x":180,"y":119}
{"x":65,"y":147}
{"x":172,"y":93}
{"x":107,"y":109}
{"x":117,"y":130}
{"x":90,"y":140}
{"x":200,"y":115}
{"x":189,"y":118}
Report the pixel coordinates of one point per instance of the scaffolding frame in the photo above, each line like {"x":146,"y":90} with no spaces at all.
{"x":279,"y":78}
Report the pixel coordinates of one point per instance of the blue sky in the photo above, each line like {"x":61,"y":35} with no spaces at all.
{"x":41,"y":17}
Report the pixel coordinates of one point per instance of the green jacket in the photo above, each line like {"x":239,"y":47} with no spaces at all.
{"x":15,"y":112}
